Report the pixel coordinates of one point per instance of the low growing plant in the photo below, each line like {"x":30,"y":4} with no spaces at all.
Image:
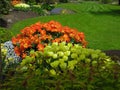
{"x":64,"y":66}
{"x":22,"y":7}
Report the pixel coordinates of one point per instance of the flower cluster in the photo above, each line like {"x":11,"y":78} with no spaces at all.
{"x":39,"y":35}
{"x":8,"y":55}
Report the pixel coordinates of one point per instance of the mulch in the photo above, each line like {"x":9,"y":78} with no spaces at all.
{"x":16,"y":16}
{"x":114,"y":54}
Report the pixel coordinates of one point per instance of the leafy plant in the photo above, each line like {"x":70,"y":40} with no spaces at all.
{"x":31,"y":2}
{"x":66,"y":66}
{"x":38,"y":10}
{"x":3,"y":51}
{"x":5,"y":35}
{"x":47,"y":6}
{"x":4,"y":6}
{"x":22,"y":7}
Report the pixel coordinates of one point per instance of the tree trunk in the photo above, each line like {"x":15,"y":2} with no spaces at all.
{"x":119,"y":2}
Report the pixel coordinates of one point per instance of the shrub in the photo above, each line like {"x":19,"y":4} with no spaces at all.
{"x":22,"y":7}
{"x":47,"y":6}
{"x":41,"y":10}
{"x":65,"y":66}
{"x":38,"y":10}
{"x":30,"y":2}
{"x":5,"y":35}
{"x":4,"y":6}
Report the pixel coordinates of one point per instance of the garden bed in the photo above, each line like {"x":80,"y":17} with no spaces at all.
{"x":15,"y":16}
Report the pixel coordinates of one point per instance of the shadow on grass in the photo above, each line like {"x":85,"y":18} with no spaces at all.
{"x":111,"y":12}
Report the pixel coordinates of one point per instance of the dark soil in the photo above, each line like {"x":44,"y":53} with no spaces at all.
{"x":114,"y":54}
{"x":15,"y":16}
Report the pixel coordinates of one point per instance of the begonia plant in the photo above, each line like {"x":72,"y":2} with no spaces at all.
{"x":39,"y":35}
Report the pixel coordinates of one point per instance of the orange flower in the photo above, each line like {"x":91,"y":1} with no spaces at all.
{"x":40,"y":32}
{"x":14,"y":2}
{"x":81,"y":35}
{"x":24,"y":55}
{"x":14,"y":40}
{"x":36,"y":26}
{"x":57,"y":40}
{"x":26,"y":43}
{"x":17,"y":51}
{"x":72,"y":35}
{"x":40,"y":47}
{"x":43,"y":32}
{"x":84,"y":43}
{"x":66,"y":38}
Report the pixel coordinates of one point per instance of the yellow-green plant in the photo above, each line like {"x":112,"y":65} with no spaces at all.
{"x":66,"y":66}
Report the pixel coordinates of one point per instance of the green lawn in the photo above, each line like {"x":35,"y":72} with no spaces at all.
{"x":100,"y":23}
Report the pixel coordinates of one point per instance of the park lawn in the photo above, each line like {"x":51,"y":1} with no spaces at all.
{"x":100,"y":23}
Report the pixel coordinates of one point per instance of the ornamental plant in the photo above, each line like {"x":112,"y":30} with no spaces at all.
{"x":64,"y":66}
{"x":9,"y":58}
{"x":22,"y":5}
{"x":55,"y":58}
{"x":59,"y":57}
{"x":3,"y":51}
{"x":39,"y":35}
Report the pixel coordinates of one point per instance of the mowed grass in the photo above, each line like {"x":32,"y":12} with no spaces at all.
{"x":100,"y":23}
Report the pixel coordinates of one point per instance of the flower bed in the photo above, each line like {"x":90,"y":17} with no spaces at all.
{"x":38,"y":35}
{"x":54,"y":57}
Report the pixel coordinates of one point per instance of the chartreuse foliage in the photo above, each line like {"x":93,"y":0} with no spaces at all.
{"x":3,"y":51}
{"x":65,"y":66}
